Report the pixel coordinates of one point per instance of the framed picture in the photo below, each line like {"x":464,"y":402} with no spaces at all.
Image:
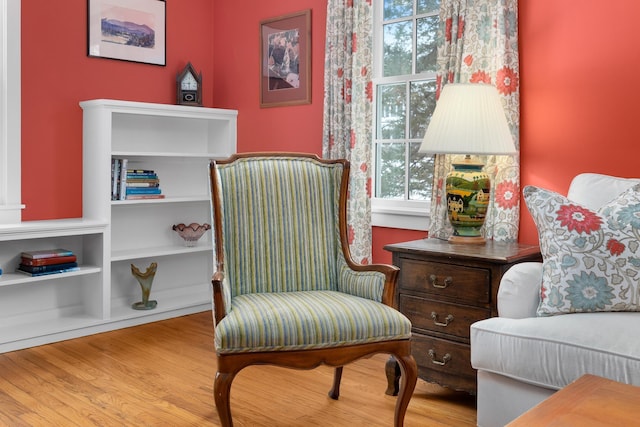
{"x":285,"y":60}
{"x":129,"y":30}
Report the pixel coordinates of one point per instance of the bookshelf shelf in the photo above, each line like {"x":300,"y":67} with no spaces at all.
{"x":10,"y":279}
{"x":175,"y":141}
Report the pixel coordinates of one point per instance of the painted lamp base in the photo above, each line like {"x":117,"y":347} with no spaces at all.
{"x":468,"y":193}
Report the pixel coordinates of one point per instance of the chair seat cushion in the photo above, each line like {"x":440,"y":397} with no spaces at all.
{"x":306,"y":320}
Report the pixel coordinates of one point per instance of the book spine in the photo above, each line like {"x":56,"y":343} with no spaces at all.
{"x":115,"y":178}
{"x":123,"y":179}
{"x":47,"y":268}
{"x":47,"y":272}
{"x":53,"y":253}
{"x":142,"y":184}
{"x":142,"y":176}
{"x":141,"y":171}
{"x":141,"y":190}
{"x":144,"y":196}
{"x":48,"y":261}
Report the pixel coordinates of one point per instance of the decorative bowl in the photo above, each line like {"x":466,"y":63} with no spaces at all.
{"x":191,"y":233}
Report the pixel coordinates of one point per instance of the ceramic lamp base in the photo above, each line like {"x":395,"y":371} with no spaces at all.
{"x":468,"y":192}
{"x":467,"y":240}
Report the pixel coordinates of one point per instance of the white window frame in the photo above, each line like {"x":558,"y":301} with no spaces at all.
{"x":402,"y":214}
{"x":10,"y":113}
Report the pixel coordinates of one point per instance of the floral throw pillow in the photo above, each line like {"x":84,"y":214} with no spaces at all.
{"x":591,"y":259}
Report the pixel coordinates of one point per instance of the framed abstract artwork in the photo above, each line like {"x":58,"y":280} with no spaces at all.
{"x":285,"y":60}
{"x":129,"y":30}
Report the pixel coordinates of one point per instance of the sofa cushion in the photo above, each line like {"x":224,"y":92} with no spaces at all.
{"x":591,"y":259}
{"x":553,"y":351}
{"x":594,"y":190}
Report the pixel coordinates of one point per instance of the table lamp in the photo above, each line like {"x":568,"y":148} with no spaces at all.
{"x":468,"y":119}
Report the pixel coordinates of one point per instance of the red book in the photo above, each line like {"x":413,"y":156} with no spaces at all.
{"x":48,"y":261}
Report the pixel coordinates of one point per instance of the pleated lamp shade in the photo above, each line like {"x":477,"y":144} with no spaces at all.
{"x":468,"y":119}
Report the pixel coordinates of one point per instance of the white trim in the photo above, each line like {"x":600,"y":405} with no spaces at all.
{"x":10,"y":113}
{"x":400,"y":214}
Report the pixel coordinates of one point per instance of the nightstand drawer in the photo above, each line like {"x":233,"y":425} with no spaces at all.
{"x":442,"y":355}
{"x":454,"y":281}
{"x":442,"y":317}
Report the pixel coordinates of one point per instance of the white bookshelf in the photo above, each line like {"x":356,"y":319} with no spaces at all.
{"x":178,"y":143}
{"x":38,"y":310}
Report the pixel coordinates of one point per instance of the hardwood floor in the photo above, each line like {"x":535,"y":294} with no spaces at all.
{"x":161,"y":374}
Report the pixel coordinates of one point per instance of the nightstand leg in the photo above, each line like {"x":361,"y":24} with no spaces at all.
{"x":392,"y":370}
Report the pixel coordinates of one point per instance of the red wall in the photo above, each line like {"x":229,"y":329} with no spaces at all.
{"x":237,"y":85}
{"x":236,"y":32}
{"x":579,"y":94}
{"x":57,"y":75}
{"x":578,"y":74}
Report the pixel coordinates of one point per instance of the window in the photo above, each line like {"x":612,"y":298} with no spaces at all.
{"x":405,"y":43}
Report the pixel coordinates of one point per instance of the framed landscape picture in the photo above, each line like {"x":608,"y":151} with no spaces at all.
{"x":285,"y":60}
{"x":129,"y":30}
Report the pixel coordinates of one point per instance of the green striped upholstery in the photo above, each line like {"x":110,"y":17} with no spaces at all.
{"x":305,"y":320}
{"x":287,"y":284}
{"x":366,"y":284}
{"x":280,"y":224}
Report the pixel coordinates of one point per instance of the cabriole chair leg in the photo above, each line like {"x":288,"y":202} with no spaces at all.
{"x":408,"y":380}
{"x":334,"y":393}
{"x":221,"y":394}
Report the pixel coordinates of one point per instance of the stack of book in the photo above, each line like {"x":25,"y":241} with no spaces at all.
{"x":48,"y":261}
{"x":133,"y":184}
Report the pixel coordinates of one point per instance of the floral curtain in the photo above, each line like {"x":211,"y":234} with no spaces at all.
{"x":479,"y":44}
{"x":348,"y":109}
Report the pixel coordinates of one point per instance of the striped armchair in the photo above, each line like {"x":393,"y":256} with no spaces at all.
{"x":285,"y":289}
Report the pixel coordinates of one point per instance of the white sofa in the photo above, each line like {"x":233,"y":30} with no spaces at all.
{"x":522,"y":359}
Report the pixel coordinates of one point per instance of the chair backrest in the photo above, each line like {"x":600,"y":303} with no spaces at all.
{"x":277,"y":221}
{"x":594,"y":190}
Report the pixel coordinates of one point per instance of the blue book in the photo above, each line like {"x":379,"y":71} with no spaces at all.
{"x":143,"y":190}
{"x":142,"y":175}
{"x":44,"y":273}
{"x":47,"y":268}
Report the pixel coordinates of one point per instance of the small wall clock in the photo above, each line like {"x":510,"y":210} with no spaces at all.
{"x":189,"y":86}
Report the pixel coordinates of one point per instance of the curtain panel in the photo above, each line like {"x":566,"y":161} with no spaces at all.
{"x":347,"y":117}
{"x":478,"y":43}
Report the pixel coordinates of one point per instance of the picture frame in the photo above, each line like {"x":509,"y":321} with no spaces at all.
{"x":285,"y":60}
{"x":128,"y":30}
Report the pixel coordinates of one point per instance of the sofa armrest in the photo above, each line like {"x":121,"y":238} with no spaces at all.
{"x":519,"y":291}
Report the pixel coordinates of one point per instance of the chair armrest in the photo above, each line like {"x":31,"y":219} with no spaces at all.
{"x":374,"y":281}
{"x":519,"y":291}
{"x":220,"y":290}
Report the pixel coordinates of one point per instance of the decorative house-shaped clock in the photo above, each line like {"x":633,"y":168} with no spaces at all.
{"x":189,"y":87}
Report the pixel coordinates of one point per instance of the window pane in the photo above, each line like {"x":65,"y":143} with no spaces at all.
{"x":428,"y":6}
{"x":426,"y":44}
{"x":420,"y":173}
{"x":397,"y":8}
{"x":390,"y":171}
{"x":397,"y":48}
{"x":423,"y":102}
{"x":391,"y":111}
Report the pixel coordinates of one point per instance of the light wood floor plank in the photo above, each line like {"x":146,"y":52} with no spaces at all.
{"x":161,"y":374}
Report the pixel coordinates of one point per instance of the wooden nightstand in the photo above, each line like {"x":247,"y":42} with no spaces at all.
{"x":443,"y":288}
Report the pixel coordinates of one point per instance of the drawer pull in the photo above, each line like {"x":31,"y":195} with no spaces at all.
{"x":446,"y":322}
{"x":434,"y":281}
{"x":445,"y":359}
